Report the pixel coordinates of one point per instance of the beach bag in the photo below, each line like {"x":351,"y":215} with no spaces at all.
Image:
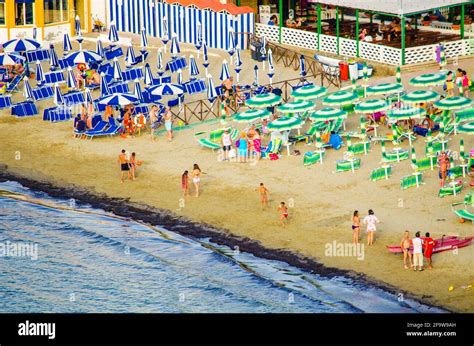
{"x":232,"y":153}
{"x":273,"y":156}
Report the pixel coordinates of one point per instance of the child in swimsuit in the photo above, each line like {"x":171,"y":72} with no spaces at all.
{"x":263,"y":195}
{"x":284,"y":213}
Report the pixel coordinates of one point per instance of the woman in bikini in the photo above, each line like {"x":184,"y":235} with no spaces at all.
{"x":185,"y":183}
{"x":283,"y":209}
{"x":196,"y":178}
{"x":133,"y":166}
{"x":355,"y":227}
{"x":405,"y":245}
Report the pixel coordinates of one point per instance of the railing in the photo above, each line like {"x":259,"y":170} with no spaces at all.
{"x":452,"y":49}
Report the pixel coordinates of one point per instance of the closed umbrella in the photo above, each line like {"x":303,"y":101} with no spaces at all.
{"x":130,"y":56}
{"x":160,"y":63}
{"x":238,"y":64}
{"x":143,"y":40}
{"x":39,"y":73}
{"x":104,"y":88}
{"x":302,"y":66}
{"x":211,"y":90}
{"x":174,"y":50}
{"x":100,"y":49}
{"x":35,"y":33}
{"x":205,"y":56}
{"x":58,"y":97}
{"x":27,"y":92}
{"x":384,"y":88}
{"x":67,"y":45}
{"x":53,"y":58}
{"x":231,"y":47}
{"x":398,"y":75}
{"x":20,"y":45}
{"x":328,"y":114}
{"x":251,"y":115}
{"x":255,"y":76}
{"x":198,"y":43}
{"x":78,"y":31}
{"x":148,"y":75}
{"x":271,"y":68}
{"x":263,"y":100}
{"x":420,"y":96}
{"x":428,"y":79}
{"x":137,"y":91}
{"x":309,"y":92}
{"x":451,"y":103}
{"x":295,"y":107}
{"x":113,"y":34}
{"x":116,"y":70}
{"x":225,"y":74}
{"x":263,"y":52}
{"x":193,"y":68}
{"x":118,"y":99}
{"x":165,"y":37}
{"x":372,"y":106}
{"x":71,"y":80}
{"x":179,"y":79}
{"x":340,"y":98}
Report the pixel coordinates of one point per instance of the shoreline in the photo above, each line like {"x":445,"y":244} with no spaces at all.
{"x":186,"y":227}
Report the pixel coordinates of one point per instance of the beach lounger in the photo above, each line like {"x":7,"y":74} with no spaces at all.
{"x":24,"y":109}
{"x":54,"y":77}
{"x":206,"y":142}
{"x":43,"y":93}
{"x":132,"y":74}
{"x":112,"y":52}
{"x":412,"y":180}
{"x":37,"y":55}
{"x":56,"y":114}
{"x":119,"y":88}
{"x":273,"y":147}
{"x":312,"y":157}
{"x":348,"y":165}
{"x":13,"y":85}
{"x":5,"y":101}
{"x":456,"y":171}
{"x":464,"y":214}
{"x":381,"y":173}
{"x":111,"y":130}
{"x":74,"y":98}
{"x":393,"y":155}
{"x":195,"y":87}
{"x":307,"y":137}
{"x":399,"y":134}
{"x":176,"y":64}
{"x":451,"y":190}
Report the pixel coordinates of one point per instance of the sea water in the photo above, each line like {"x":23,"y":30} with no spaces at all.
{"x":92,"y":261}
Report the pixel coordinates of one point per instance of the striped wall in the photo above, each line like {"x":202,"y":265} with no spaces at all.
{"x":131,"y":15}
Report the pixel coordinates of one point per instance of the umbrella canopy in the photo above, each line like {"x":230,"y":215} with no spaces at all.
{"x":465,"y":114}
{"x":113,"y":34}
{"x":454,"y":102}
{"x":211,"y":90}
{"x":27,"y":92}
{"x":384,"y":88}
{"x":263,"y":100}
{"x":143,"y":39}
{"x":295,"y":107}
{"x":251,"y":115}
{"x":167,"y":89}
{"x":371,"y":106}
{"x":10,"y":59}
{"x":405,"y":113}
{"x":193,"y":68}
{"x":420,"y":96}
{"x":104,"y":88}
{"x":82,"y":57}
{"x":466,"y":128}
{"x":309,"y":92}
{"x":130,"y":56}
{"x":174,"y":50}
{"x":327,"y":114}
{"x":53,"y":57}
{"x":21,"y":45}
{"x":116,"y":70}
{"x":225,"y":74}
{"x":39,"y":73}
{"x":302,"y":66}
{"x":58,"y":97}
{"x":100,"y":49}
{"x":148,"y":75}
{"x":340,"y":98}
{"x":67,"y":45}
{"x":118,"y":99}
{"x":428,"y":79}
{"x":71,"y":80}
{"x":285,"y":124}
{"x":137,"y":91}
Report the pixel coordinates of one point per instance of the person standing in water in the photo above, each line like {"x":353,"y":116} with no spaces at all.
{"x":405,"y":246}
{"x":263,"y":196}
{"x":355,"y":227}
{"x":370,"y":220}
{"x":196,"y":178}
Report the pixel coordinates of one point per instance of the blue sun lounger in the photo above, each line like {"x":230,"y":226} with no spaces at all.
{"x":195,"y":87}
{"x":43,"y":93}
{"x":132,"y":74}
{"x":74,"y":98}
{"x":37,"y":55}
{"x":112,"y":52}
{"x":121,"y":88}
{"x":13,"y":85}
{"x":54,"y":77}
{"x":5,"y":101}
{"x":176,"y":64}
{"x":56,"y":114}
{"x":24,"y":109}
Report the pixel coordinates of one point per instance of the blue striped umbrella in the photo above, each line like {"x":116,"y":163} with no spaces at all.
{"x":130,"y":58}
{"x":118,"y":99}
{"x":104,"y":88}
{"x":58,"y":97}
{"x":205,"y":54}
{"x":39,"y":73}
{"x":71,"y":80}
{"x":193,"y":68}
{"x":179,"y":78}
{"x":211,"y":90}
{"x":53,"y":57}
{"x":198,"y":43}
{"x":21,"y":45}
{"x":77,"y":26}
{"x":255,"y":75}
{"x":8,"y":59}
{"x":160,"y":62}
{"x":174,"y":50}
{"x":148,"y":75}
{"x":100,"y":49}
{"x":231,"y":47}
{"x":88,"y":97}
{"x":35,"y":33}
{"x":165,"y":38}
{"x":113,"y":34}
{"x":302,"y":66}
{"x":116,"y":70}
{"x":271,"y":68}
{"x":138,"y":91}
{"x":238,"y":64}
{"x":27,"y":92}
{"x":225,"y":74}
{"x":167,"y":89}
{"x":143,"y":39}
{"x":263,"y":52}
{"x":67,"y":45}
{"x":82,"y":57}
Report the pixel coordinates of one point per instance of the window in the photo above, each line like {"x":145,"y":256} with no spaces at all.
{"x":24,"y":12}
{"x":2,"y":12}
{"x":56,"y":11}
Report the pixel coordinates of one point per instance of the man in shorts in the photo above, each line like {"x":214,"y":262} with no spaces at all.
{"x":124,"y":166}
{"x":417,"y":252}
{"x":226,"y":144}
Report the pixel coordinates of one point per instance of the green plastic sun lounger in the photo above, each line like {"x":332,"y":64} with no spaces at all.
{"x":411,"y":180}
{"x":206,"y":143}
{"x":312,"y":157}
{"x":347,"y":165}
{"x":307,"y":137}
{"x":359,"y":148}
{"x":464,"y":214}
{"x":273,"y":147}
{"x":381,"y":173}
{"x":393,"y":156}
{"x":423,"y":164}
{"x":449,"y":190}
{"x":456,"y":171}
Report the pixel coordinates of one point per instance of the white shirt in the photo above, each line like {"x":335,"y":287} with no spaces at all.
{"x":370,"y":221}
{"x":417,"y":245}
{"x":226,"y":139}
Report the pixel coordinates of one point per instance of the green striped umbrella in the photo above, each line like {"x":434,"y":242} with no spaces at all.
{"x":263,"y":100}
{"x":428,"y":79}
{"x":251,"y":115}
{"x":384,"y":88}
{"x":466,"y":128}
{"x":296,"y":107}
{"x":465,"y":114}
{"x":371,"y":106}
{"x":454,"y":102}
{"x":285,"y":123}
{"x":309,"y":92}
{"x":461,"y":149}
{"x":405,"y":113}
{"x":420,"y":96}
{"x":398,"y":75}
{"x":327,"y":114}
{"x":340,"y":98}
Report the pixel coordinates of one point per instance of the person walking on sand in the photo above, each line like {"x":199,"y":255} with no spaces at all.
{"x":185,"y":183}
{"x":169,"y":124}
{"x":428,"y":245}
{"x":263,"y":196}
{"x":124,"y":167}
{"x":283,"y":209}
{"x":196,"y":178}
{"x":133,"y":165}
{"x":443,"y":163}
{"x":405,"y":246}
{"x":417,"y":252}
{"x":226,"y":144}
{"x":153,"y":121}
{"x":355,"y":227}
{"x":370,"y":220}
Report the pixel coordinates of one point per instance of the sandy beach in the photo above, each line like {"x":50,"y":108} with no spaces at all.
{"x":321,"y":200}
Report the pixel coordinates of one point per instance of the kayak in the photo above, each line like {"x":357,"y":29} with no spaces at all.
{"x":442,"y":244}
